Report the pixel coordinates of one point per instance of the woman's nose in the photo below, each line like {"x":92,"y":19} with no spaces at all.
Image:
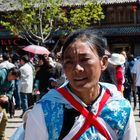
{"x":78,"y":67}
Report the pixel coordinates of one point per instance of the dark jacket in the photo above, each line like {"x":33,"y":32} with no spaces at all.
{"x":42,"y":76}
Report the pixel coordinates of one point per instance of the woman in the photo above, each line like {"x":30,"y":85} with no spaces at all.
{"x":105,"y":114}
{"x":117,"y":60}
{"x":44,"y":72}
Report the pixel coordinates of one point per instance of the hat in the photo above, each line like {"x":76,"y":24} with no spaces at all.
{"x":52,"y":79}
{"x":116,"y":59}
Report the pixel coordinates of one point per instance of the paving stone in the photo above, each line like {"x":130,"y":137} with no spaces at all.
{"x":13,"y":123}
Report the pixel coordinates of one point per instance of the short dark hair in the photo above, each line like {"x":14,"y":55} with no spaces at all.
{"x":25,"y":58}
{"x":86,"y":36}
{"x":5,"y":56}
{"x":15,"y":71}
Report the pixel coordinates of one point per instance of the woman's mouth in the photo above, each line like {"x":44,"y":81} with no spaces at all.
{"x":80,"y":79}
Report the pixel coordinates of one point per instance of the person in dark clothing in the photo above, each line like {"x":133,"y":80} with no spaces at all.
{"x":45,"y":72}
{"x":127,"y":83}
{"x":57,"y":69}
{"x":131,"y":62}
{"x":109,"y":75}
{"x":15,"y":61}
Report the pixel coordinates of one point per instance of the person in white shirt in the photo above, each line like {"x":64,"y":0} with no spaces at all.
{"x":26,"y":82}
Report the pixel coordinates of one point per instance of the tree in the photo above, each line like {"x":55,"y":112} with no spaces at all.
{"x":36,"y":20}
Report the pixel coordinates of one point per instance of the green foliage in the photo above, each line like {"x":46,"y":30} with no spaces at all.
{"x":6,"y":24}
{"x":85,"y":16}
{"x":36,"y":19}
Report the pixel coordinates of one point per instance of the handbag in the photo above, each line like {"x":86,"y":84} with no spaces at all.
{"x":91,"y":119}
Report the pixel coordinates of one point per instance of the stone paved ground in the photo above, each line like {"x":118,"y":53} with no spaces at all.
{"x":15,"y":122}
{"x":137,"y":119}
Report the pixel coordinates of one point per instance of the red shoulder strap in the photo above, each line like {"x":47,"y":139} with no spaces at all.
{"x":90,"y":117}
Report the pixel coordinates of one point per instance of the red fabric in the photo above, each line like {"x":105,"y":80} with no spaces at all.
{"x":85,"y":126}
{"x":119,"y":77}
{"x":90,"y":117}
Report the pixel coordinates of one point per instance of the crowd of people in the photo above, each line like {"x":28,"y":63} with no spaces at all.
{"x":84,"y":95}
{"x":30,"y":80}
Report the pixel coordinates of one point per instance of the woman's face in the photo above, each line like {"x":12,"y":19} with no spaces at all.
{"x":82,"y":66}
{"x":11,"y":77}
{"x":40,"y":62}
{"x":22,"y":62}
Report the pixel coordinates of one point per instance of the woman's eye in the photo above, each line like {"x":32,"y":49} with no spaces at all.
{"x":68,"y":62}
{"x":84,"y":59}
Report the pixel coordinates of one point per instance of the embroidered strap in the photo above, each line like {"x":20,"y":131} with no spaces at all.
{"x":90,"y":117}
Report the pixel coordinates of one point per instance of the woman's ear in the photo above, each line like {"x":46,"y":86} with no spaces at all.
{"x":104,"y":62}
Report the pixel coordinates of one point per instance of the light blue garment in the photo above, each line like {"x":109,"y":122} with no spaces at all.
{"x":52,"y":105}
{"x":19,"y":134}
{"x":115,"y":113}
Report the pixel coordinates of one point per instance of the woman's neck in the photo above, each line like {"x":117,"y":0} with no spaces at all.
{"x":88,"y":96}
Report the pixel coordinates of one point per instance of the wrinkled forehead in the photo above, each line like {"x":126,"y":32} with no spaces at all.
{"x":79,"y":48}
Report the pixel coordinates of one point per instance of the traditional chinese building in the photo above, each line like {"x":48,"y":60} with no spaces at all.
{"x":7,"y":38}
{"x":121,"y":26}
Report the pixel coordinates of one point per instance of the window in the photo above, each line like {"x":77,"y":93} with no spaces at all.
{"x":110,"y":15}
{"x":120,"y":14}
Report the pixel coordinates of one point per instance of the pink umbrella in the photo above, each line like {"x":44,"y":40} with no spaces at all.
{"x":36,"y":49}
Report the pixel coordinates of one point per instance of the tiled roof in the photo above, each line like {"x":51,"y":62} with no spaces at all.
{"x":122,"y":30}
{"x":105,"y":31}
{"x":106,"y":2}
{"x":117,"y":1}
{"x":108,"y":31}
{"x":7,"y":5}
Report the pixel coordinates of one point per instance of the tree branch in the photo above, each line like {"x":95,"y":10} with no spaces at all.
{"x":25,"y":37}
{"x":55,"y":45}
{"x":31,"y":34}
{"x":49,"y":31}
{"x":40,"y":24}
